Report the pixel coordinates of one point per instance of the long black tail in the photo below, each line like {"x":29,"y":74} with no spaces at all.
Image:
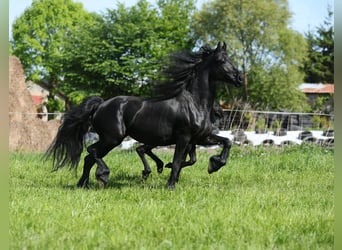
{"x":67,"y":147}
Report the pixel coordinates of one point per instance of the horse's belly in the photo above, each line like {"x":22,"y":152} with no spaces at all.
{"x":153,"y":136}
{"x":155,"y":124}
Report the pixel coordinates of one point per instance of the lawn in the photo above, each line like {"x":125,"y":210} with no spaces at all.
{"x":264,"y":198}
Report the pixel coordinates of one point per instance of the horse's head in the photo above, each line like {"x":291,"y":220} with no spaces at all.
{"x":223,"y":69}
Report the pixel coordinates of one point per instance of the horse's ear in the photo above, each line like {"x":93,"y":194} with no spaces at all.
{"x":224,"y":46}
{"x":218,"y":48}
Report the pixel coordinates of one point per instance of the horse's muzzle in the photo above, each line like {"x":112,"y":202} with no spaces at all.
{"x":239,"y":80}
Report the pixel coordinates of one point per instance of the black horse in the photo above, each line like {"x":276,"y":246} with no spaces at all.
{"x":180,"y":117}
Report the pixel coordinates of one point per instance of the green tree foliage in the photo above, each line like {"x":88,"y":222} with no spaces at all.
{"x":74,"y":53}
{"x":38,"y":37}
{"x":319,"y":66}
{"x":123,"y":51}
{"x":259,"y":40}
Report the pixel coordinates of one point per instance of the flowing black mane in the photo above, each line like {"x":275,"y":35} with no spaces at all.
{"x":181,"y":71}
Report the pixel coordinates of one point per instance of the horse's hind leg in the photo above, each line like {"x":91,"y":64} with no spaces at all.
{"x":89,"y":161}
{"x":192,"y":155}
{"x":96,"y":152}
{"x":159,"y":163}
{"x":191,"y":150}
{"x":102,"y":172}
{"x":141,"y":152}
{"x":146,"y":149}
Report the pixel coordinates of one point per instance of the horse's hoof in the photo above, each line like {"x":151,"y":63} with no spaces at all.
{"x":84,"y":185}
{"x":103,"y":177}
{"x":171,"y":186}
{"x":102,"y":184}
{"x":145,"y":175}
{"x":102,"y":180}
{"x":160,"y":167}
{"x":169,"y":165}
{"x":214,"y":164}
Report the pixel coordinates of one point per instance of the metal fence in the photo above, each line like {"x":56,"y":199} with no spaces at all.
{"x":251,"y":120}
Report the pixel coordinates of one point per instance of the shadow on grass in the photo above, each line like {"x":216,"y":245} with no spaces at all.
{"x":121,"y":180}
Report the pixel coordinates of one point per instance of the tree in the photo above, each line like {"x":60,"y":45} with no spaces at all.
{"x":123,"y":50}
{"x":268,"y":52}
{"x":175,"y":19}
{"x":74,"y":53}
{"x":319,"y":66}
{"x":38,"y":37}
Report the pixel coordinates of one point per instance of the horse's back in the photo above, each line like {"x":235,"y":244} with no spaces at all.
{"x":110,"y":115}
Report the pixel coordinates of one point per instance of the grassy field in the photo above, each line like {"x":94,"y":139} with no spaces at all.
{"x":264,"y":198}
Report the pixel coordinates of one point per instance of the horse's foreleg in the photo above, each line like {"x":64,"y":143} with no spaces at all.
{"x":218,"y":161}
{"x":181,"y":151}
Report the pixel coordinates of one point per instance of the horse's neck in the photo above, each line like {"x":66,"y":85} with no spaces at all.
{"x":203,"y":91}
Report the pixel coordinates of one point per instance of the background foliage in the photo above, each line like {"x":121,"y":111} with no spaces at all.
{"x":260,"y":41}
{"x":75,"y":53}
{"x":38,"y":38}
{"x":319,"y":66}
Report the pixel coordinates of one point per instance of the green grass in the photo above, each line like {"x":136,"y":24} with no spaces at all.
{"x":262,"y":199}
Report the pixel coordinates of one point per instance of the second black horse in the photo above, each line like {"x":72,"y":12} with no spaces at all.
{"x":216,"y":115}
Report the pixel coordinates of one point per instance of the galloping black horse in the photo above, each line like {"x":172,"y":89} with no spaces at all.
{"x":180,"y":117}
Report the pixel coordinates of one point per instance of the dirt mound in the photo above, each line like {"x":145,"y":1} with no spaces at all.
{"x":26,"y":131}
